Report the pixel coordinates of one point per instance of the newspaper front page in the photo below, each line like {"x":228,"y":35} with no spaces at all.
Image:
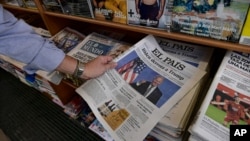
{"x":227,"y":101}
{"x":147,"y":82}
{"x":96,"y":44}
{"x":198,"y":56}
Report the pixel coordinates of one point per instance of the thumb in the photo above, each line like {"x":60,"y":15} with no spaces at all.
{"x":111,"y":65}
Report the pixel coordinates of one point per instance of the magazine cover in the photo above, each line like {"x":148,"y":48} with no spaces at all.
{"x":168,"y":14}
{"x":52,"y":6}
{"x":227,"y":100}
{"x":81,"y":8}
{"x":222,"y":20}
{"x":30,"y":4}
{"x":110,"y":10}
{"x":153,"y":14}
{"x":245,"y":35}
{"x":130,"y":99}
{"x":67,"y":39}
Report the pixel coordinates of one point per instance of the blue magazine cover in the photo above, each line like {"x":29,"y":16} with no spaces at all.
{"x":217,"y":19}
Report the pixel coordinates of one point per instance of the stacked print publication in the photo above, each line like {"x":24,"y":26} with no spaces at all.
{"x":93,"y":45}
{"x":227,"y":100}
{"x":173,"y":125}
{"x":66,"y":40}
{"x":147,"y":82}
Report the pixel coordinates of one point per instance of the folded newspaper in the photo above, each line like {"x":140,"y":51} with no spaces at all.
{"x":198,"y":56}
{"x":227,"y":101}
{"x":96,"y":44}
{"x":147,"y":82}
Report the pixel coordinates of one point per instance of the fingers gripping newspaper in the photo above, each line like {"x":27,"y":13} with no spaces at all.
{"x":130,"y":99}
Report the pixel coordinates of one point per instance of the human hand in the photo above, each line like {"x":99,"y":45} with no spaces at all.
{"x":98,"y":66}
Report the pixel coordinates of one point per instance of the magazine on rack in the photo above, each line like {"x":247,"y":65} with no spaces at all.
{"x":110,"y":10}
{"x":67,"y":39}
{"x":218,"y":19}
{"x":121,"y":99}
{"x":227,"y":100}
{"x":245,"y":35}
{"x":150,"y":14}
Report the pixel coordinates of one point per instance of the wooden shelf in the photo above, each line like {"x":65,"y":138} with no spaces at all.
{"x":162,"y":33}
{"x":12,"y":7}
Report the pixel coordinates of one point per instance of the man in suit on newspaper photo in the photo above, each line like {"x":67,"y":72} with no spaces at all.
{"x":150,"y":89}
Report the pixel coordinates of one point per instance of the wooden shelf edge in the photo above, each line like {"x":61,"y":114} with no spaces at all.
{"x":7,"y":6}
{"x":162,"y":33}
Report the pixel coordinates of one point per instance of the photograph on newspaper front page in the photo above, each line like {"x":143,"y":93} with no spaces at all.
{"x":227,"y":106}
{"x":146,"y":81}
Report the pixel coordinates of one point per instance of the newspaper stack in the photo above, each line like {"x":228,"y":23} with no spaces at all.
{"x":92,"y":46}
{"x":96,"y":44}
{"x":147,"y":82}
{"x":37,"y":80}
{"x":173,"y":124}
{"x":66,"y":39}
{"x":228,"y":96}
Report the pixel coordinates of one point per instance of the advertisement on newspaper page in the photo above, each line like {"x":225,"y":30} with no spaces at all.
{"x":147,"y":82}
{"x":227,"y":101}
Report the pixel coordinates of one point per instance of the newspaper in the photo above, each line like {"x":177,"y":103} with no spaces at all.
{"x":39,"y":82}
{"x":97,"y":44}
{"x":228,"y":95}
{"x":66,"y":39}
{"x":97,"y":127}
{"x":43,"y":32}
{"x":198,"y":56}
{"x":120,"y":100}
{"x":44,"y":74}
{"x":175,"y":122}
{"x":93,"y":45}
